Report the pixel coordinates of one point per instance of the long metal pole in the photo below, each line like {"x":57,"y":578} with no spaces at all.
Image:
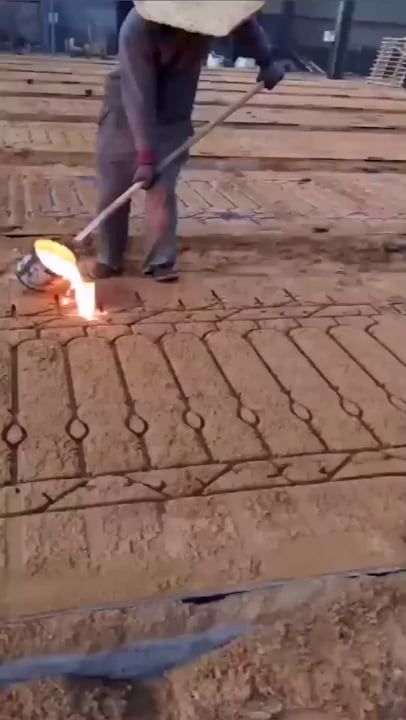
{"x":44,"y":25}
{"x":285,"y":39}
{"x":94,"y":224}
{"x":342,"y":39}
{"x":51,"y":18}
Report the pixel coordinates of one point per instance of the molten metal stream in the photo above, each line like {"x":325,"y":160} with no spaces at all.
{"x":61,"y":261}
{"x":85,"y":296}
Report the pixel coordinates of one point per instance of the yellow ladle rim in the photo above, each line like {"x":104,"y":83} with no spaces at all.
{"x":44,"y":245}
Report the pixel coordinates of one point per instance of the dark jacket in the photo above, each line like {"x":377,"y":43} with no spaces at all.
{"x":158,"y":74}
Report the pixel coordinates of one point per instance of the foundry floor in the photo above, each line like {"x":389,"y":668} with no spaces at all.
{"x":244,"y":426}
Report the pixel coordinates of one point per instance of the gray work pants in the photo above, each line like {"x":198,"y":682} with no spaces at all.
{"x":116,"y":164}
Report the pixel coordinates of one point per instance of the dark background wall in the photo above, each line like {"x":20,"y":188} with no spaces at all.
{"x":84,"y":20}
{"x":97,"y":21}
{"x":20,"y":20}
{"x":373,"y":20}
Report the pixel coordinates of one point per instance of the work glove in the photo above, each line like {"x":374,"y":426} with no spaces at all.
{"x":146,"y":168}
{"x":145,"y":174}
{"x":270,"y":74}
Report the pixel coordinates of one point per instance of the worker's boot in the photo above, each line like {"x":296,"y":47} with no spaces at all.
{"x":101,"y":271}
{"x":162,"y":273}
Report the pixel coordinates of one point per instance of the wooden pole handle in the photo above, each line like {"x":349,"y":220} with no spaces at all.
{"x":190,"y":142}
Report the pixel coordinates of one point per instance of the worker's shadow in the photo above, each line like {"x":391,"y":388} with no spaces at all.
{"x":90,"y":699}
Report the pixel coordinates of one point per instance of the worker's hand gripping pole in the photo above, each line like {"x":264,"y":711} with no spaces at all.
{"x":118,"y":202}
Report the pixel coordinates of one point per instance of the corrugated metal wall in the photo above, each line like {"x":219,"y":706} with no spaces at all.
{"x":29,"y":22}
{"x":373,"y":20}
{"x":20,"y":25}
{"x":376,"y":11}
{"x":86,"y":21}
{"x":26,"y":22}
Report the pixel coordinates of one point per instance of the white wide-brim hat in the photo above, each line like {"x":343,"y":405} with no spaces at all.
{"x":208,"y":17}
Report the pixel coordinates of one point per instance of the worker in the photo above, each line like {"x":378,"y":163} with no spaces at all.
{"x":147,"y":114}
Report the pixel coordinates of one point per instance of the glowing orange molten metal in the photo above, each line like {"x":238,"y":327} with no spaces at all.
{"x":61,"y":261}
{"x":85,"y":297}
